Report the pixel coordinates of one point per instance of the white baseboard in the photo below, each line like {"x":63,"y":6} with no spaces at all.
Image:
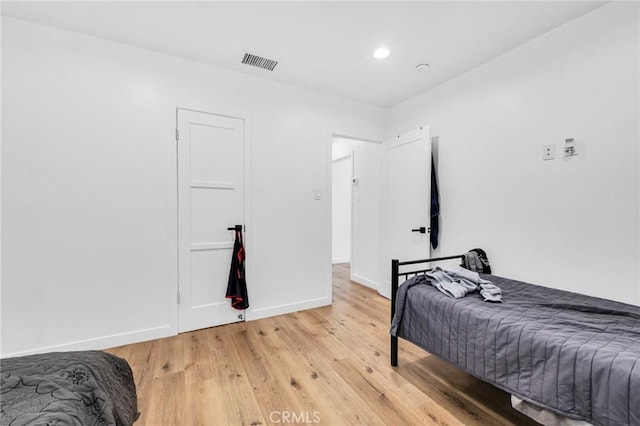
{"x":105,"y":342}
{"x":385,"y":290}
{"x":334,"y":261}
{"x":287,"y":309}
{"x":364,"y":281}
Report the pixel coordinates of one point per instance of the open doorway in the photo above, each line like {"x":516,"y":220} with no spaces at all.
{"x":356,"y":191}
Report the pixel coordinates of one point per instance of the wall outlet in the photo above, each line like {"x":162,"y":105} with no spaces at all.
{"x":548,"y":152}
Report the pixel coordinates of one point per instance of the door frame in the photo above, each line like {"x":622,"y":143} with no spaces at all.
{"x":351,"y":157}
{"x":173,"y":285}
{"x":332,"y":136}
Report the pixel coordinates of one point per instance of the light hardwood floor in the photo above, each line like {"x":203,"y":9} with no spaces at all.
{"x":326,"y":366}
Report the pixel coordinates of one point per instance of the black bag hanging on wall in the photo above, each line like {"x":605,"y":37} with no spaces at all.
{"x":237,"y":285}
{"x":476,"y":260}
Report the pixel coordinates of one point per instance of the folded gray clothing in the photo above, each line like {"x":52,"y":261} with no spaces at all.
{"x":461,"y":282}
{"x":449,"y":284}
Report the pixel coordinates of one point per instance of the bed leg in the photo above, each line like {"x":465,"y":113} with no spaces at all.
{"x":394,"y":289}
{"x":394,"y":351}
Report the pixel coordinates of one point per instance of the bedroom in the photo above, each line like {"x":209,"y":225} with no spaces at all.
{"x":88,"y":186}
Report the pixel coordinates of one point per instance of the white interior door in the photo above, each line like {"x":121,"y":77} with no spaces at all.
{"x":210,"y":200}
{"x":407,"y":174}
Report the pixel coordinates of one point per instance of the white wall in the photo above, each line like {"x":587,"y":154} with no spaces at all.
{"x":568,"y":224}
{"x":341,"y":210}
{"x":365,"y":250}
{"x":88,"y":217}
{"x":88,"y":188}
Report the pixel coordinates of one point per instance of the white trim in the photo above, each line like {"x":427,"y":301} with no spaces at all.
{"x":211,"y":246}
{"x":334,"y":261}
{"x":212,"y":185}
{"x":271,"y":311}
{"x":212,"y":126}
{"x":364,"y":281}
{"x":329,"y":254}
{"x":385,"y":289}
{"x":408,"y":137}
{"x":352,"y":207}
{"x":172,"y":287}
{"x":207,"y":110}
{"x":355,"y":138}
{"x":247,"y":239}
{"x":104,"y":342}
{"x":344,"y":157}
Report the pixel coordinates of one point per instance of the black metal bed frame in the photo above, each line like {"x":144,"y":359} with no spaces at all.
{"x":395,"y":275}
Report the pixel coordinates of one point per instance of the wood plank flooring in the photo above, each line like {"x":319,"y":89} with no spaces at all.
{"x":326,"y":366}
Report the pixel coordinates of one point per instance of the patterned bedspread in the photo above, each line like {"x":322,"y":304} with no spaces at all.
{"x":574,"y":354}
{"x":67,"y":388}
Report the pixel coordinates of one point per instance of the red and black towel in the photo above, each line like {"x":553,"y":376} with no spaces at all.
{"x":237,"y":286}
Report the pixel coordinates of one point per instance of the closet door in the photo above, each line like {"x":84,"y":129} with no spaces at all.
{"x":406,"y":200}
{"x":211,"y":172}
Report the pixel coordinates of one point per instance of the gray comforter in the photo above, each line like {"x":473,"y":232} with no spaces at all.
{"x":574,"y":354}
{"x":67,"y":388}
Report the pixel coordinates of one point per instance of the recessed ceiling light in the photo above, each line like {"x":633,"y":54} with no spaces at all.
{"x":422,"y":67}
{"x":381,"y":53}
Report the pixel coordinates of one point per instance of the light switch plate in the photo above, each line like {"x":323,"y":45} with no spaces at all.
{"x":548,"y":152}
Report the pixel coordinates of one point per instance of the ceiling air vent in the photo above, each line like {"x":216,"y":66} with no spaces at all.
{"x":259,"y":61}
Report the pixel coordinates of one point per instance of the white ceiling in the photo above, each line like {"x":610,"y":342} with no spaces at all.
{"x":324,"y":46}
